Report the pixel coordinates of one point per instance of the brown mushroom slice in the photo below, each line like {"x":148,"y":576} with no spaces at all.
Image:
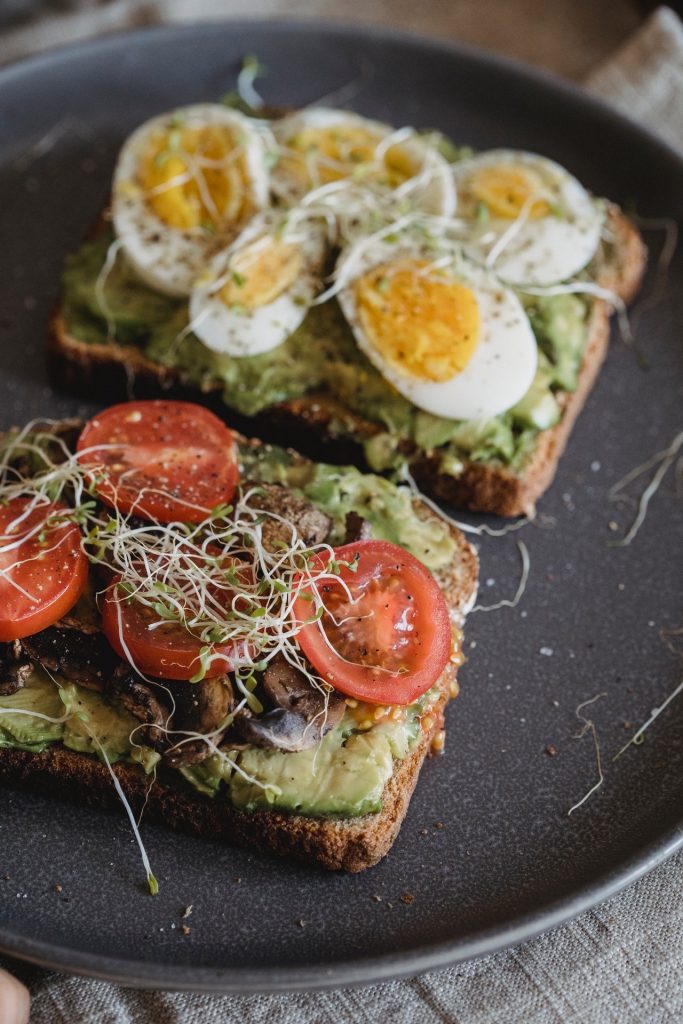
{"x":356,"y":527}
{"x":188,"y":752}
{"x":75,"y":650}
{"x":200,"y":707}
{"x":280,"y":730}
{"x":302,"y":716}
{"x":142,"y":702}
{"x":14,"y":669}
{"x":290,"y":689}
{"x":312,"y":525}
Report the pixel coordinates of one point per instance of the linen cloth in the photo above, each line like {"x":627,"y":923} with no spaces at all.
{"x":621,"y":963}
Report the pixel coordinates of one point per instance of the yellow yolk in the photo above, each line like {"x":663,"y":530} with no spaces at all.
{"x":261,"y":272}
{"x":508,"y":190}
{"x":322,"y":155}
{"x":423,"y":322}
{"x":195,"y":177}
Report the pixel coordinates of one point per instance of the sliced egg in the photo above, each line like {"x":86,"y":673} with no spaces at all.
{"x":533,"y":222}
{"x":185,"y":185}
{"x":320,"y":146}
{"x":444,"y":332}
{"x":259,"y":290}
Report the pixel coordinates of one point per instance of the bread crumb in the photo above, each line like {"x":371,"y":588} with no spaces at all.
{"x":407,"y":898}
{"x":439,"y":824}
{"x":58,"y":887}
{"x":185,"y":929}
{"x":550,"y":750}
{"x":377,"y":899}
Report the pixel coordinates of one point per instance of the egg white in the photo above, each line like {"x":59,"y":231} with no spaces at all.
{"x":240,"y":332}
{"x":503,"y":364}
{"x":540,"y":251}
{"x":167,"y":258}
{"x":430,"y":190}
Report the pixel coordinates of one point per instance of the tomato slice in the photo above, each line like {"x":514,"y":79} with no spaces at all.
{"x":169,"y":651}
{"x":163,"y":460}
{"x":43,"y":570}
{"x":392,"y":641}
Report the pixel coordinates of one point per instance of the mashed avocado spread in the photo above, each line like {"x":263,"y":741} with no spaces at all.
{"x":343,"y":777}
{"x":346,"y":774}
{"x":321,"y":355}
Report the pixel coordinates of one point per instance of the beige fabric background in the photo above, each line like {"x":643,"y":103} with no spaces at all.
{"x":621,"y":963}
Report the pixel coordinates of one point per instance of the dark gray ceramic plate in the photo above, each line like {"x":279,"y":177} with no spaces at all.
{"x":508,"y":861}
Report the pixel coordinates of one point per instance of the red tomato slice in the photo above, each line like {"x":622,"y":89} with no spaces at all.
{"x":44,"y":575}
{"x":393,"y":640}
{"x":168,"y":461}
{"x":168,"y":651}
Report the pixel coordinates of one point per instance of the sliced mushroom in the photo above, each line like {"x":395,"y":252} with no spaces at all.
{"x":76,"y":650}
{"x":290,"y":689}
{"x":14,"y":669}
{"x":302,"y":716}
{"x":279,"y":730}
{"x":357,"y":528}
{"x":144,"y":703}
{"x":189,"y":752}
{"x":310,"y":523}
{"x":200,"y":707}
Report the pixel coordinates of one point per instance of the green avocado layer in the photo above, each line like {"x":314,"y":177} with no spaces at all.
{"x":343,"y":777}
{"x":346,"y":775}
{"x":322,"y":355}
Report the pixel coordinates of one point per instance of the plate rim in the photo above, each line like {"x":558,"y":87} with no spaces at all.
{"x":349,"y":973}
{"x":434,"y":956}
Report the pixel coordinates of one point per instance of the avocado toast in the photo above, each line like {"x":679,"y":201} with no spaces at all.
{"x":122,"y":329}
{"x":263,"y":751}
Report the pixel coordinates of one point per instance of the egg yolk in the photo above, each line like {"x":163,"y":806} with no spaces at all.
{"x":317,"y":156}
{"x":261,"y":272}
{"x":196,"y":177}
{"x":423,"y":322}
{"x":509,"y":190}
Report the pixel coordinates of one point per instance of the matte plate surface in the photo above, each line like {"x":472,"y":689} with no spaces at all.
{"x":505,"y":860}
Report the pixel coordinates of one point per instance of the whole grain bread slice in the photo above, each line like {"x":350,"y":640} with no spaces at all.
{"x":351,"y":844}
{"x":112,"y":372}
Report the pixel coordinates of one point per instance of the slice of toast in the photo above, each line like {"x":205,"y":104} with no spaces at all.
{"x":351,"y":843}
{"x":112,"y":372}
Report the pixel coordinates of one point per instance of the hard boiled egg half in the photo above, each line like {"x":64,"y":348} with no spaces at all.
{"x":185,"y":185}
{"x":259,"y":289}
{"x":444,"y":332}
{"x":321,"y":146}
{"x":532,"y":222}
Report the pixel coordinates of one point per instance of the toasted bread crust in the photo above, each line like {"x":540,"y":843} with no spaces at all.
{"x":112,"y":372}
{"x":351,"y":844}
